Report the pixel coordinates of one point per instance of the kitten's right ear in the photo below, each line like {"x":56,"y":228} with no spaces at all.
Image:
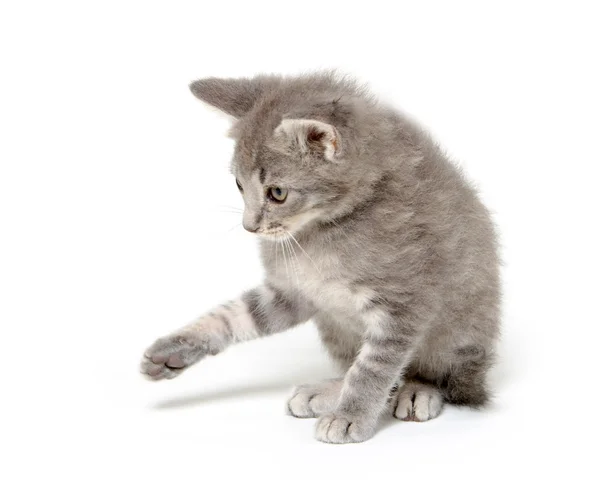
{"x":308,"y":135}
{"x":233,"y":96}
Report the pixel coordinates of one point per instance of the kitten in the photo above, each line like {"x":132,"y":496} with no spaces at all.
{"x":366,"y":228}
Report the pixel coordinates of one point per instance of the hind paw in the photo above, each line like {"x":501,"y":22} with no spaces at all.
{"x":418,"y":402}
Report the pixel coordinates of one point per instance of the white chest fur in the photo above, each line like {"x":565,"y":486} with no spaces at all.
{"x":321,"y":280}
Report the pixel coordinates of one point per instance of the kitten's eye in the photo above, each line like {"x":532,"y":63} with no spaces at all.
{"x":239,"y":185}
{"x":277,"y":194}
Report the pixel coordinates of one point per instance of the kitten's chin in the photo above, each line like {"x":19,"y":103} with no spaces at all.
{"x":273,"y":236}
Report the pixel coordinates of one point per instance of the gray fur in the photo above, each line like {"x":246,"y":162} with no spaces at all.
{"x":381,"y":241}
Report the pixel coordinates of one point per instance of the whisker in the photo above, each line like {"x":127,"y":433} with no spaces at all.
{"x":229,"y":210}
{"x":294,"y":258}
{"x":307,"y":255}
{"x":233,"y":208}
{"x":284,"y":259}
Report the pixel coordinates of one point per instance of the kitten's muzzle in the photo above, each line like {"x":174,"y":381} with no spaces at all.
{"x":253,"y":228}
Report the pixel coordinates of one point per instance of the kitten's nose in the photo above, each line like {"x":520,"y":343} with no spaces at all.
{"x":251,"y":220}
{"x":251,"y":227}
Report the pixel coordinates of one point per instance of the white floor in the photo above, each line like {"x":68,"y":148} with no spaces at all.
{"x":93,"y":425}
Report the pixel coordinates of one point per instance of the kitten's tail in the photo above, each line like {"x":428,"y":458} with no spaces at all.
{"x":466,"y":385}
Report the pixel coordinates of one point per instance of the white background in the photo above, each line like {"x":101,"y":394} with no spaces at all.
{"x":114,"y":231}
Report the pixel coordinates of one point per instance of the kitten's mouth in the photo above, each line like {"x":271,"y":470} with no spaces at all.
{"x":277,"y":231}
{"x":274,"y":234}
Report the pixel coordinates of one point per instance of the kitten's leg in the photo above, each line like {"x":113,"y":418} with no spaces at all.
{"x":313,"y":400}
{"x":342,"y":341}
{"x":342,"y":338}
{"x":259,"y":312}
{"x":389,"y":343}
{"x":417,"y":401}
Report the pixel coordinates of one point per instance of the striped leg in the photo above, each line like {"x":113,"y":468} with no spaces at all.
{"x":260,"y":312}
{"x":367,"y":384}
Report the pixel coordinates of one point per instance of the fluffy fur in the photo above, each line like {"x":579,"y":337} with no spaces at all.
{"x":380,"y":241}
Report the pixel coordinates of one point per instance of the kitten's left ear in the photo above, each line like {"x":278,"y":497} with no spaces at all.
{"x":233,"y":96}
{"x":310,"y":135}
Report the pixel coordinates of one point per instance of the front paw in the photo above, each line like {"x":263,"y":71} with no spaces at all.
{"x":171,"y":355}
{"x":312,"y":400}
{"x":341,"y":428}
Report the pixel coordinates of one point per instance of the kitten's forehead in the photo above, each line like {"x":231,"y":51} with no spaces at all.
{"x":253,"y":132}
{"x":255,"y":158}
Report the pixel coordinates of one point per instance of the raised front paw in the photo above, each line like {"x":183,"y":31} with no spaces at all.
{"x":171,"y":355}
{"x":341,"y":428}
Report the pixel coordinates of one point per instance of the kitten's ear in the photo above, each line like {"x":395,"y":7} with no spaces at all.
{"x":233,"y":96}
{"x":310,"y":135}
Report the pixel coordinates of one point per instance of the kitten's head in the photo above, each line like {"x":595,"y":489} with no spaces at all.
{"x":295,"y":143}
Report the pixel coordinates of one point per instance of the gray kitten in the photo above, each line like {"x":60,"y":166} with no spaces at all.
{"x":367,"y":229}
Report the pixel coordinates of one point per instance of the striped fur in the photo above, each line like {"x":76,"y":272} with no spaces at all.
{"x":259,"y":312}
